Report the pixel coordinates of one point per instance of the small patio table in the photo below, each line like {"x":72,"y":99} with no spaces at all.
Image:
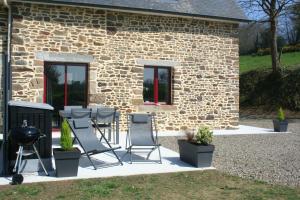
{"x":67,"y":114}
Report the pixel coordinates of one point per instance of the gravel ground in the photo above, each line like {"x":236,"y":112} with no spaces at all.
{"x":274,"y":158}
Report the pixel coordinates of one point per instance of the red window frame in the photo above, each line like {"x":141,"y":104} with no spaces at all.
{"x":155,"y":85}
{"x":49,"y":64}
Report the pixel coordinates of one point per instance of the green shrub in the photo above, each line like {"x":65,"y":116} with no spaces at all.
{"x":264,"y":88}
{"x":262,"y":52}
{"x":291,"y":48}
{"x":280,"y":115}
{"x":204,"y":136}
{"x":285,"y":49}
{"x":66,"y":142}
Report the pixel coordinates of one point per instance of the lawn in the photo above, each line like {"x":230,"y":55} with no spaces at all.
{"x":248,"y":63}
{"x":188,"y":185}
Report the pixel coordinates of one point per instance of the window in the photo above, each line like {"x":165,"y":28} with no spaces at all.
{"x":157,"y":85}
{"x":65,"y":84}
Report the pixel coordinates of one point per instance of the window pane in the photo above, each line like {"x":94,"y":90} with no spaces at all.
{"x":163,"y":85}
{"x":76,"y":79}
{"x":55,"y":90}
{"x":148,"y":85}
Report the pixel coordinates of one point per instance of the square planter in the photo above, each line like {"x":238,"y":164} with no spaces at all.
{"x":195,"y":154}
{"x":66,"y":162}
{"x":280,"y":126}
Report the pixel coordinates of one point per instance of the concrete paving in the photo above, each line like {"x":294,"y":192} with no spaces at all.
{"x":170,"y":160}
{"x":242,"y":130}
{"x":170,"y":163}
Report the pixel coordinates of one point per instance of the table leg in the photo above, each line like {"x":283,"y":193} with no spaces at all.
{"x":117,"y":129}
{"x":109,"y":135}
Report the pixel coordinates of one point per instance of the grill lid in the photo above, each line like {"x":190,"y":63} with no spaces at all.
{"x":25,"y":135}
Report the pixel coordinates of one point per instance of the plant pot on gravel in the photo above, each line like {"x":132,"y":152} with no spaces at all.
{"x":67,"y":157}
{"x":280,"y":124}
{"x":197,"y":150}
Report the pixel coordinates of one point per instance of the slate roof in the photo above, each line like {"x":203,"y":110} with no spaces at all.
{"x":219,"y":9}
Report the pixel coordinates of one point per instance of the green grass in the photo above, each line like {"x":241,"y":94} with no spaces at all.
{"x":248,"y":63}
{"x":187,"y":185}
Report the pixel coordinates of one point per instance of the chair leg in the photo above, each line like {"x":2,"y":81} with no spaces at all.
{"x":91,"y":161}
{"x":40,"y":160}
{"x":117,"y":157}
{"x":130,"y":153}
{"x":114,"y":134}
{"x":159,"y":155}
{"x":101,"y":137}
{"x":126,"y":140}
{"x":147,"y":158}
{"x":109,"y":135}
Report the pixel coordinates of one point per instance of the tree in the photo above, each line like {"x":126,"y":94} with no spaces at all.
{"x":290,"y":24}
{"x":250,"y":38}
{"x":295,"y":18}
{"x":271,"y":10}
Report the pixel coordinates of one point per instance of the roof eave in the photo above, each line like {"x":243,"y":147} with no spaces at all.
{"x":140,"y":10}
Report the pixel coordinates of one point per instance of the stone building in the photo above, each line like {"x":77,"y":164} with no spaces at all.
{"x":177,"y":58}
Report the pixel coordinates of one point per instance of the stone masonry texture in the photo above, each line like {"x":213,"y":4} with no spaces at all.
{"x":205,"y":87}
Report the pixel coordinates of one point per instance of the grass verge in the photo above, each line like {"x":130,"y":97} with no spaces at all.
{"x":188,"y":185}
{"x":248,"y":63}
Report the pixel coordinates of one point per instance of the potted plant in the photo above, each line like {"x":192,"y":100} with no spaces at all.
{"x":67,"y":157}
{"x":280,"y":124}
{"x":197,"y":150}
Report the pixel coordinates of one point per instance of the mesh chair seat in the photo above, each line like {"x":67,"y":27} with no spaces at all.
{"x":141,"y":133}
{"x":69,"y":108}
{"x":78,"y":113}
{"x":84,"y":134}
{"x":105,"y":119}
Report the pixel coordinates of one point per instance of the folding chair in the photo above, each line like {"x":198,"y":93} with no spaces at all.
{"x":140,"y":135}
{"x":79,"y":113}
{"x":69,"y":108}
{"x":84,"y":134}
{"x":95,"y":107}
{"x":105,"y":120}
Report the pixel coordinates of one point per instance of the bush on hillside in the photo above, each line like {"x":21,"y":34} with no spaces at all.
{"x":285,"y":49}
{"x":259,"y":88}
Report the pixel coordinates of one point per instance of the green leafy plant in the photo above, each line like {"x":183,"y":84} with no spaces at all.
{"x":65,"y":137}
{"x":204,"y":136}
{"x":280,"y":115}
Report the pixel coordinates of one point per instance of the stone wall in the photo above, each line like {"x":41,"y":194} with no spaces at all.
{"x":205,"y":87}
{"x":3,"y":47}
{"x":3,"y":29}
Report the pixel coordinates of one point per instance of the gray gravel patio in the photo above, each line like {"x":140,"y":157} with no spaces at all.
{"x":274,"y":158}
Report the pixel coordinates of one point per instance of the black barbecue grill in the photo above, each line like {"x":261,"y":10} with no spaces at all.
{"x":39,"y":116}
{"x":25,"y":136}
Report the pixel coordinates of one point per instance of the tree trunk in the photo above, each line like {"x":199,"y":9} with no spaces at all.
{"x":274,"y":51}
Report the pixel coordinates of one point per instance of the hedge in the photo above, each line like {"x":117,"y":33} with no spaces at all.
{"x":259,"y":88}
{"x":285,"y":49}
